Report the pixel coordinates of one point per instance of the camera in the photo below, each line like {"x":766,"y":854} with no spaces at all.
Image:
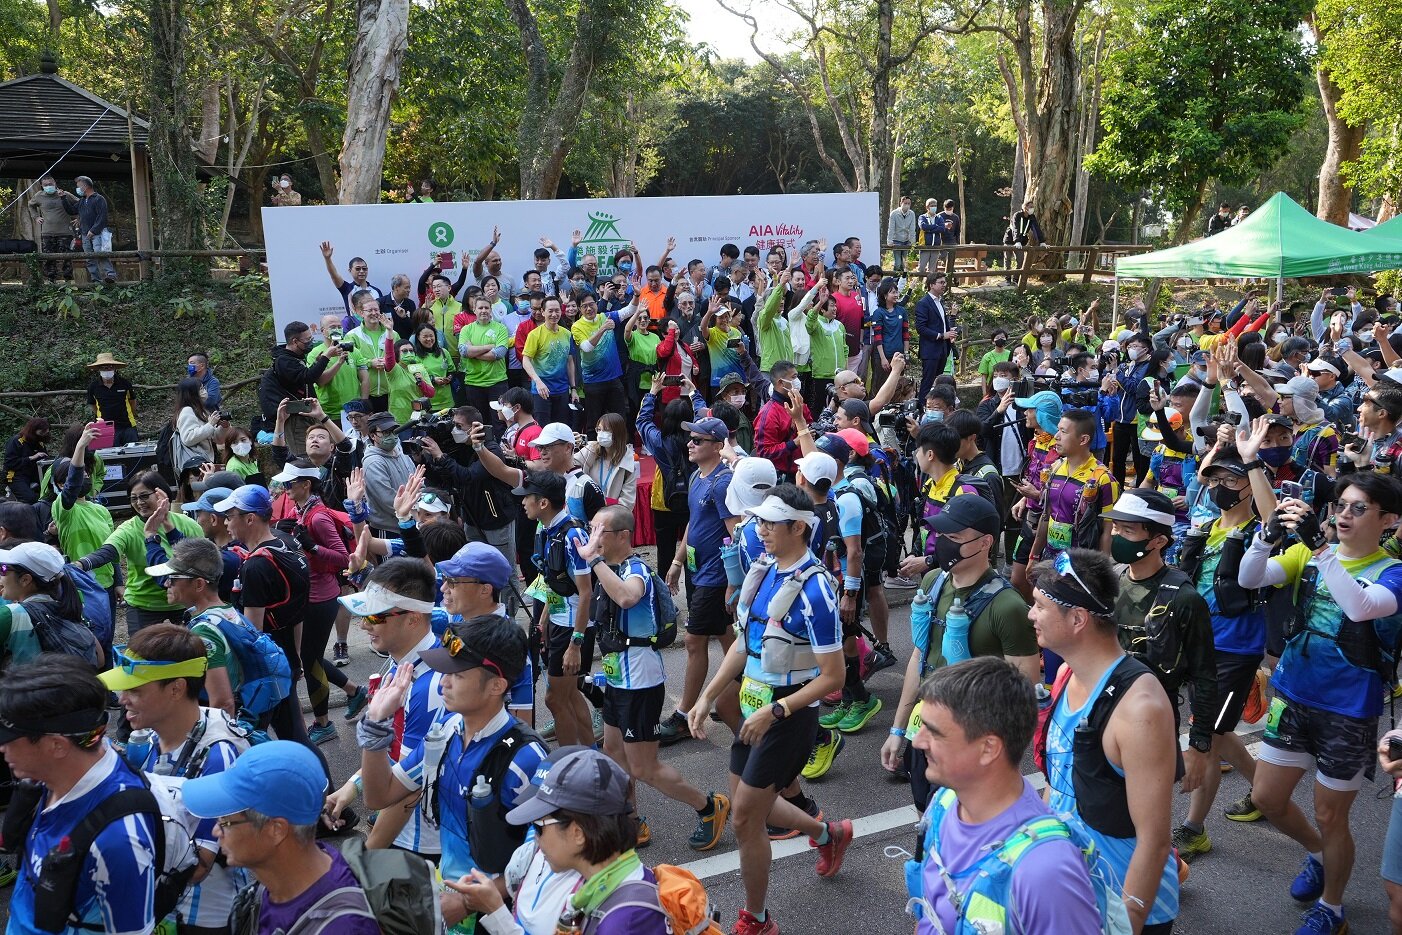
{"x":1080,"y":395}
{"x":1231,"y":418}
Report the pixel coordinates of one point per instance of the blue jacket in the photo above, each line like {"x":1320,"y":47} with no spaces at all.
{"x":928,"y":325}
{"x":1123,"y":407}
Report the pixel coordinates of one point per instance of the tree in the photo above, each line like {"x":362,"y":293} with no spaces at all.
{"x":1206,"y":89}
{"x":1345,"y":143}
{"x":380,"y":41}
{"x":177,"y":205}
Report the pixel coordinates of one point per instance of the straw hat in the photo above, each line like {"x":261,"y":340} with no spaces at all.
{"x":105,"y":359}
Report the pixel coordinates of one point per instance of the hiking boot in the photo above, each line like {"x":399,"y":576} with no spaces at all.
{"x":1190,"y":843}
{"x":833,"y":698}
{"x":859,"y":713}
{"x":835,"y":716}
{"x":340,"y":655}
{"x":749,"y":925}
{"x":830,"y":854}
{"x":356,"y":703}
{"x":644,"y":832}
{"x":320,"y":733}
{"x":709,"y":828}
{"x":784,"y":834}
{"x":1243,"y":810}
{"x":881,"y":658}
{"x":1308,"y":884}
{"x":822,"y":755}
{"x":672,"y":730}
{"x":1320,"y":920}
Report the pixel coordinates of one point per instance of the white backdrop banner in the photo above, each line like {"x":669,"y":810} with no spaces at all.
{"x":404,"y":238}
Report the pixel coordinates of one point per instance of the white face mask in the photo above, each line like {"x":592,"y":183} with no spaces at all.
{"x":1135,"y":353}
{"x":285,"y":183}
{"x":737,"y":401}
{"x":107,"y":374}
{"x":796,"y":383}
{"x":461,"y":435}
{"x":1185,"y":343}
{"x":1001,"y":384}
{"x":1279,"y":336}
{"x":605,"y":439}
{"x":241,"y":448}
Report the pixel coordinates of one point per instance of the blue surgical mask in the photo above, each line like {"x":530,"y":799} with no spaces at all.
{"x":50,"y":189}
{"x":933,"y":415}
{"x":190,"y":369}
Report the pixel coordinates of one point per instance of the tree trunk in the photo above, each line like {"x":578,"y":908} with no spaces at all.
{"x":1085,"y":143}
{"x":325,"y":169}
{"x":1052,"y":151}
{"x":374,"y":79}
{"x":207,"y":146}
{"x":1018,"y":186}
{"x":1345,"y":145}
{"x":880,"y":151}
{"x":959,"y":182}
{"x":176,"y":201}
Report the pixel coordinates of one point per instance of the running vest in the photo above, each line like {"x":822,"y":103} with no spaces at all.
{"x":1081,"y":527}
{"x":975,"y":604}
{"x":1232,"y":599}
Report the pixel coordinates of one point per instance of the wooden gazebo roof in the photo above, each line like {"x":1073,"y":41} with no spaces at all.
{"x":43,"y":115}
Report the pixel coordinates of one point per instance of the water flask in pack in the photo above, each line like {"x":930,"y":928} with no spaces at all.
{"x":955,"y":646}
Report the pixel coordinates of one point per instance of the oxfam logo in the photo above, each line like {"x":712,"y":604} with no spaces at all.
{"x":440,"y":235}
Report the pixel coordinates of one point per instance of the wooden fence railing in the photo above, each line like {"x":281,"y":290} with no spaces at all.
{"x":131,"y":265}
{"x":971,"y":262}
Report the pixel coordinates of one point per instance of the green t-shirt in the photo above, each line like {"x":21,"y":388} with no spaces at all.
{"x":344,"y":386}
{"x":216,"y":647}
{"x":991,"y":359}
{"x":239,"y":466}
{"x":368,"y":346}
{"x":403,"y":390}
{"x":99,"y":472}
{"x":1001,"y":630}
{"x":642,"y":349}
{"x":478,"y":372}
{"x":772,"y":331}
{"x":18,"y":641}
{"x":432,"y":364}
{"x":84,"y":529}
{"x":828,"y":341}
{"x":143,"y":592}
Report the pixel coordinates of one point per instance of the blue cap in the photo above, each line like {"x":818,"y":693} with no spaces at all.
{"x":250,"y":498}
{"x":1048,"y":406}
{"x":481,"y":561}
{"x":280,"y":779}
{"x":835,"y":445}
{"x":710,"y":426}
{"x":207,"y":500}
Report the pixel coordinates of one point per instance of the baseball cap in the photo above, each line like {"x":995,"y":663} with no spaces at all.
{"x":710,"y":426}
{"x":1230,"y":465}
{"x":1107,"y":346}
{"x":1320,"y":365}
{"x":542,"y":484}
{"x":817,"y":466}
{"x":1298,"y":386}
{"x":489,"y":642}
{"x":1143,"y":506}
{"x":207,"y":500}
{"x":42,"y":561}
{"x":750,"y":484}
{"x":382,"y":422}
{"x":249,"y":498}
{"x":554,"y":433}
{"x":856,"y":440}
{"x":859,"y":410}
{"x":226,"y":480}
{"x":280,"y":779}
{"x":583,"y":781}
{"x":378,"y":599}
{"x":835,"y":445}
{"x":291,"y":472}
{"x":191,"y":558}
{"x":967,"y":511}
{"x":131,"y":671}
{"x":478,"y":560}
{"x":431,"y":502}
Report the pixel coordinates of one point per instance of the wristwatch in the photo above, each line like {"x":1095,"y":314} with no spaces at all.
{"x":1200,"y":744}
{"x":576,"y":636}
{"x":596,"y":560}
{"x":778,"y":710}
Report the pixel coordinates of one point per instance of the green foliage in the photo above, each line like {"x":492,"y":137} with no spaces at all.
{"x":1206,"y":89}
{"x":1360,"y":50}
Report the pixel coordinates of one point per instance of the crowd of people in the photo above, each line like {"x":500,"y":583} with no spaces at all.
{"x":1200,"y":508}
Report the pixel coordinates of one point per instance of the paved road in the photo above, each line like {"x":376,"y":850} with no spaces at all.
{"x":1240,"y":887}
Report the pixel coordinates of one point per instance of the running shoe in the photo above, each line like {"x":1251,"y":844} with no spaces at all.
{"x":749,"y":925}
{"x":897,"y":583}
{"x":1183,"y":868}
{"x":833,"y":698}
{"x":820,"y":760}
{"x":673,"y":730}
{"x":356,"y":703}
{"x":340,"y":655}
{"x":1243,"y":810}
{"x":547,"y":729}
{"x":1255,"y":708}
{"x":1320,"y":920}
{"x":320,"y":733}
{"x":644,"y":832}
{"x":1225,"y":767}
{"x":830,"y":854}
{"x":784,"y":834}
{"x":835,"y":716}
{"x":859,"y":714}
{"x":1190,"y":843}
{"x":1308,"y":884}
{"x":880,"y":658}
{"x":709,"y":828}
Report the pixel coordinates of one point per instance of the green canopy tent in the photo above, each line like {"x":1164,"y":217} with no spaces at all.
{"x":1279,"y":240}
{"x":1391,"y":230}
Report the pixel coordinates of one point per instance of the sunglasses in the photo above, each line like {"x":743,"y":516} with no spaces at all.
{"x":454,"y":645}
{"x":693,"y":440}
{"x":1355,"y":507}
{"x":539,"y":826}
{"x":1064,"y":567}
{"x":376,"y":619}
{"x":225,"y":824}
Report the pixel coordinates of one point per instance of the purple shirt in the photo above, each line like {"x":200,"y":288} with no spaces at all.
{"x":1050,"y":886}
{"x":281,"y":917}
{"x":634,"y":920}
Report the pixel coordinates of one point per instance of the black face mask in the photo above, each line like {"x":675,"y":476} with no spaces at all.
{"x":1226,"y":498}
{"x":948,"y":553}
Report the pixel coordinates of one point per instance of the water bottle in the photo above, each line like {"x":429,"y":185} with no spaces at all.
{"x":955,"y":646}
{"x":920,"y":612}
{"x":599,"y":679}
{"x":481,"y":792}
{"x":139,"y":747}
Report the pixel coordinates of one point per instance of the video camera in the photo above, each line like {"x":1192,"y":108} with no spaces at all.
{"x":1081,"y":395}
{"x":425,"y":423}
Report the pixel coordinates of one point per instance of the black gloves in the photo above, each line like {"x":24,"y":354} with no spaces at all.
{"x":303,"y":535}
{"x":1309,"y":532}
{"x":1274,"y":530}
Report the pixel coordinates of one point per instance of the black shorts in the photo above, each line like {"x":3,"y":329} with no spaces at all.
{"x":1022,"y":552}
{"x":781,"y":753}
{"x":1341,"y":746}
{"x":873,"y":571}
{"x":705,"y":611}
{"x":1235,"y":676}
{"x":636,"y":712}
{"x":557,"y":641}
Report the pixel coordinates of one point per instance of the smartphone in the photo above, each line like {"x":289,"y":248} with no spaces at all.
{"x":299,"y":406}
{"x":1339,"y":291}
{"x":1394,"y":749}
{"x":1352,"y":440}
{"x":737,"y":343}
{"x":445,"y":260}
{"x":1291,"y":489}
{"x":672,"y":380}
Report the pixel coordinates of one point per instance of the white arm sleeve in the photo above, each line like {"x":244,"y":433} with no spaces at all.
{"x":1361,"y":600}
{"x":1258,"y":569}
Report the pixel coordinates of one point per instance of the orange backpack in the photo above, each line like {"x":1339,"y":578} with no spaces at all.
{"x":677,"y":894}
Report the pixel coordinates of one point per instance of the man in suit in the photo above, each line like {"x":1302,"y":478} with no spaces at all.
{"x":935,"y":326}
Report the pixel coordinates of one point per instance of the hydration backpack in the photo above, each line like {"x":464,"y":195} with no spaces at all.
{"x":553,"y":552}
{"x":676,"y":893}
{"x":266,"y":673}
{"x":58,"y":634}
{"x":1159,"y":642}
{"x":613,"y":639}
{"x":97,"y":612}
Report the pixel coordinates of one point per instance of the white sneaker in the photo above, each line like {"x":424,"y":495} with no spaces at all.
{"x":899,"y":583}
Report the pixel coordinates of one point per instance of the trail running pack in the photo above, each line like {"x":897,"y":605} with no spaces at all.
{"x":1160,"y":641}
{"x":291,"y":566}
{"x":609,"y":615}
{"x":266,"y":675}
{"x":58,"y":634}
{"x":974,"y":605}
{"x":1357,"y":639}
{"x":677,"y":894}
{"x":554,"y":558}
{"x":985,"y":905}
{"x":1232,"y":599}
{"x":97,"y":611}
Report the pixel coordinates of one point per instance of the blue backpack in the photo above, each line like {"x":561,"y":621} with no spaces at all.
{"x":267,"y":675}
{"x":97,"y":611}
{"x":986,"y":899}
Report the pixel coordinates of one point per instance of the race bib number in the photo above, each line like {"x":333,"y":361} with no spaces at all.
{"x":912,"y":727}
{"x":1273,"y":717}
{"x":1058,"y":534}
{"x":754,"y":695}
{"x":538,"y":591}
{"x":613,"y":668}
{"x":1169,"y":492}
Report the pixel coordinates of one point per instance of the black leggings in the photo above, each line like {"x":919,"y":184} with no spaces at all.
{"x":1127,"y":442}
{"x":600,"y":398}
{"x":286,"y":719}
{"x":320,"y":675}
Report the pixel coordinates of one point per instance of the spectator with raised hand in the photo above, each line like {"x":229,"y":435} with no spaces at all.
{"x":488,"y":263}
{"x":601,"y":371}
{"x":359,"y":270}
{"x":1340,"y":320}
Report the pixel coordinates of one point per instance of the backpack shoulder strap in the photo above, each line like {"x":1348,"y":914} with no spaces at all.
{"x":134,"y":800}
{"x":1128,"y":671}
